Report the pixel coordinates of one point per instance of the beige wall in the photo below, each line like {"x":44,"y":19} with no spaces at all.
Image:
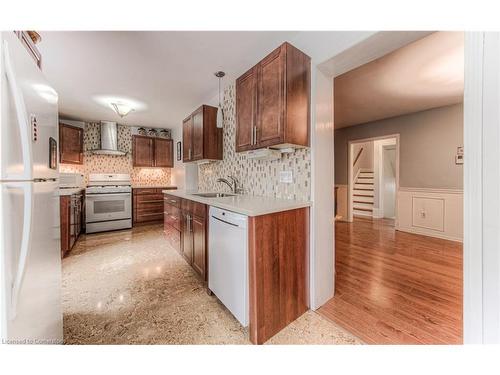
{"x":428,"y":144}
{"x":365,"y":160}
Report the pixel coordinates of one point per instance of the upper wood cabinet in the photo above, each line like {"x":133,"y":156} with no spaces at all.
{"x":70,"y":144}
{"x":246,"y":103}
{"x":201,"y":139}
{"x":273,"y":101}
{"x":152,"y":152}
{"x":164,"y":152}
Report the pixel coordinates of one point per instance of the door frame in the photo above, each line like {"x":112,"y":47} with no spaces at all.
{"x":350,"y":185}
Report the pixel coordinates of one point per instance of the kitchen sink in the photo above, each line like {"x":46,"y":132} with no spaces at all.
{"x":214,"y":195}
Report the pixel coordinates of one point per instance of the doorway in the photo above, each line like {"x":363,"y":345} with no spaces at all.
{"x":373,"y":177}
{"x":398,"y":250}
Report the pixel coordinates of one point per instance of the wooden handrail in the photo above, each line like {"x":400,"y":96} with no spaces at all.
{"x":357,"y":157}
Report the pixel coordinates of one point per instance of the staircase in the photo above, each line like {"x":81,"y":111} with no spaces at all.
{"x":362,"y":198}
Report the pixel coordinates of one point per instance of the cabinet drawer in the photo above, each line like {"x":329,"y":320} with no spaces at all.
{"x":173,"y":216}
{"x":172,"y":200}
{"x":148,"y":216}
{"x":149,"y":208}
{"x":173,"y":237}
{"x":195,"y":208}
{"x":149,"y":198}
{"x":142,"y":191}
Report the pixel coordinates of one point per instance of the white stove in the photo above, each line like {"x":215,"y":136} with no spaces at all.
{"x":108,"y":202}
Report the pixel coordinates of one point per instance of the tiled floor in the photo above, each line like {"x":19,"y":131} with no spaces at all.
{"x":130,"y":287}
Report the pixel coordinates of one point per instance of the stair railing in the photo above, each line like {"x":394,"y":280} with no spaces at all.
{"x":357,"y":156}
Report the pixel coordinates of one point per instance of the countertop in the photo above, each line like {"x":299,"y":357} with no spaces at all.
{"x":153,"y":187}
{"x":244,"y":204}
{"x":70,"y":191}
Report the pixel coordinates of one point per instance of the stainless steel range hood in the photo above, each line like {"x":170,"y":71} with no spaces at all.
{"x":109,"y":140}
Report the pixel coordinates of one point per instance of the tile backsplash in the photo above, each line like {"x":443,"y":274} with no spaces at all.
{"x":258,"y":177}
{"x":115,"y":164}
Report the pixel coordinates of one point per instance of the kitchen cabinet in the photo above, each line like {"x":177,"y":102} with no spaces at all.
{"x":70,"y":144}
{"x":152,"y":152}
{"x":71,"y":220}
{"x":273,"y":101}
{"x":201,"y":139}
{"x":187,"y":238}
{"x":164,"y":153}
{"x":147,"y":205}
{"x":246,"y":102}
{"x":172,"y":224}
{"x":185,"y":228}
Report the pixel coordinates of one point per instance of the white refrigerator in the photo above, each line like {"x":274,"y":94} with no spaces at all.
{"x":29,"y":203}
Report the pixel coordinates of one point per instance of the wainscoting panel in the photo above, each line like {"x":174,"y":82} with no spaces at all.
{"x":431,"y":212}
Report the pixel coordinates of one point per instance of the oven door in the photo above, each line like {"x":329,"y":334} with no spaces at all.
{"x":106,"y":207}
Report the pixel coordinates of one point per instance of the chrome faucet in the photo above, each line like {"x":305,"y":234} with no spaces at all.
{"x":233,"y":185}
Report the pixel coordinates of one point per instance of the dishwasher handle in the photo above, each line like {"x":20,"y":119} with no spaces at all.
{"x":226,"y":222}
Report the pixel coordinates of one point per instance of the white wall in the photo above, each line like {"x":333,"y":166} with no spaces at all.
{"x":388,"y":205}
{"x":321,"y":46}
{"x":183,"y":175}
{"x":378,"y":199}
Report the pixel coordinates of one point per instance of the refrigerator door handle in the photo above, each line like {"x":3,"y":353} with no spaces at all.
{"x":25,"y":245}
{"x":22,"y":117}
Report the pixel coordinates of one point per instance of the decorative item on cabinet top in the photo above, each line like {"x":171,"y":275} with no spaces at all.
{"x":152,"y":132}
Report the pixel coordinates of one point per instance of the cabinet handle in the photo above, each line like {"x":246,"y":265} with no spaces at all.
{"x":189,"y":154}
{"x":254,"y":135}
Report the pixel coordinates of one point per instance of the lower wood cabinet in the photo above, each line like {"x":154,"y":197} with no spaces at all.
{"x":72,"y":220}
{"x":185,"y":229}
{"x":147,"y":205}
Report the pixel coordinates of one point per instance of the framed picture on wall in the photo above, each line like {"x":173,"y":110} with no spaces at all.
{"x":179,"y":147}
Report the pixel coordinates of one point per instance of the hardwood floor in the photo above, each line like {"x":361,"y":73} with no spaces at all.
{"x":396,"y":287}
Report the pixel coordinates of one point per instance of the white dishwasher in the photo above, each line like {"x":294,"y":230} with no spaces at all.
{"x":228,"y":261}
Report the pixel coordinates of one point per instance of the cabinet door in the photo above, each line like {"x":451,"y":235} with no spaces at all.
{"x":270,"y":106}
{"x":187,"y":238}
{"x":187,"y":139}
{"x":70,"y":144}
{"x":197,"y":153}
{"x":142,"y":151}
{"x":164,"y":153}
{"x":65,"y":213}
{"x":198,"y":228}
{"x":246,"y":107}
{"x":72,"y":221}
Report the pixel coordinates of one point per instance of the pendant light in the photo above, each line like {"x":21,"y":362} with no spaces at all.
{"x":220,"y":111}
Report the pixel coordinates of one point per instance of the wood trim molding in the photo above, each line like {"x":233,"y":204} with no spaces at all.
{"x":473,"y":188}
{"x":432,"y":190}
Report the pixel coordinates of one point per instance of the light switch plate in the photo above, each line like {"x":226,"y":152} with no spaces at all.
{"x":286,"y":177}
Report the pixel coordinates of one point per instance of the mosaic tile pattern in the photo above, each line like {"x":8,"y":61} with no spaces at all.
{"x":258,"y":177}
{"x":115,"y":164}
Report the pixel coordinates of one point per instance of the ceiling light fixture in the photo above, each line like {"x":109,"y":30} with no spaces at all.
{"x":220,"y":111}
{"x":121,"y":109}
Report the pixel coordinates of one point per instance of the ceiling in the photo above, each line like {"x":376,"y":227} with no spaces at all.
{"x":424,"y":74}
{"x":167,"y":74}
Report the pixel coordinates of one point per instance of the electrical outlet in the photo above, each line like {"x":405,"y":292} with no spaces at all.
{"x":286,"y":177}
